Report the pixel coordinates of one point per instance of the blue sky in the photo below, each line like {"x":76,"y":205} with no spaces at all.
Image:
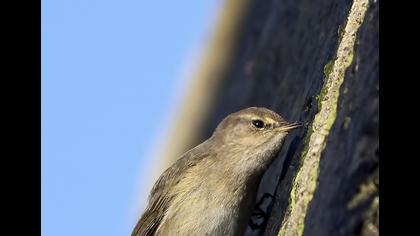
{"x":110,"y":72}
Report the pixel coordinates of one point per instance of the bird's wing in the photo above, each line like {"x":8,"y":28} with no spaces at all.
{"x":161,"y":196}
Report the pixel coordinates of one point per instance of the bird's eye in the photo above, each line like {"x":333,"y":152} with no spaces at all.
{"x":258,"y":124}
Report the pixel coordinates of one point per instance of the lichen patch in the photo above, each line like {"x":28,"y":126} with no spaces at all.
{"x":305,"y":181}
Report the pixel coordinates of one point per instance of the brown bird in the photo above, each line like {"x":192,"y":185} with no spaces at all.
{"x":211,"y":189}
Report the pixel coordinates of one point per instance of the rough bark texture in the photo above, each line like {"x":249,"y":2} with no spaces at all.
{"x":279,"y":62}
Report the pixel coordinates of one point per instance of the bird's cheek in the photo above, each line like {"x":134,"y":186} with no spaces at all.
{"x":252,"y":142}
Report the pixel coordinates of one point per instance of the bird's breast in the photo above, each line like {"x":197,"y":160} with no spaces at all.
{"x":211,"y":207}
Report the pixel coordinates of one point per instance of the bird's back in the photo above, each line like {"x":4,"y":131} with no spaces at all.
{"x":161,"y":195}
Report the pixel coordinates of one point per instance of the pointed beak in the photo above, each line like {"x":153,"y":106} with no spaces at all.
{"x":288,"y":127}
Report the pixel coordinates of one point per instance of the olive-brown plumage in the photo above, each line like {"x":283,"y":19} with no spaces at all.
{"x":211,"y":189}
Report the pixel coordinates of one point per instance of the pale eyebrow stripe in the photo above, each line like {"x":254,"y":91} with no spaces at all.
{"x":270,"y":120}
{"x":266,"y":118}
{"x":250,"y":117}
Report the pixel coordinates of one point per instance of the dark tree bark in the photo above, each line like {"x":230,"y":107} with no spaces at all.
{"x":281,"y":61}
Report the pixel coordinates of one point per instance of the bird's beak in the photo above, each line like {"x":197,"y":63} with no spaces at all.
{"x":288,"y":127}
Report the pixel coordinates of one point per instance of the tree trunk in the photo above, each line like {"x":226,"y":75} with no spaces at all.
{"x":314,"y":62}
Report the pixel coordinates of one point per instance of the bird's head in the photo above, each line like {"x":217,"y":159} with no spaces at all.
{"x":254,"y":130}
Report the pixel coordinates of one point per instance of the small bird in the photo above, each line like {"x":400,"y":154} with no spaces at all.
{"x":211,"y":189}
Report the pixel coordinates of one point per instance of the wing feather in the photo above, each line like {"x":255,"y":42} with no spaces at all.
{"x":161,"y":196}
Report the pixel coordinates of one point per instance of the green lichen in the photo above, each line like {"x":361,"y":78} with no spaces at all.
{"x":300,"y":228}
{"x":313,"y":180}
{"x":327,"y":71}
{"x":346,"y":90}
{"x":293,"y":190}
{"x":340,"y":33}
{"x":349,"y":59}
{"x":333,"y":114}
{"x":305,"y":182}
{"x":347,"y":121}
{"x":366,"y":190}
{"x":328,"y":68}
{"x":308,"y":198}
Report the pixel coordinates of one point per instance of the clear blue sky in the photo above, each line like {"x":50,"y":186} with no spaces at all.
{"x":110,"y":70}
